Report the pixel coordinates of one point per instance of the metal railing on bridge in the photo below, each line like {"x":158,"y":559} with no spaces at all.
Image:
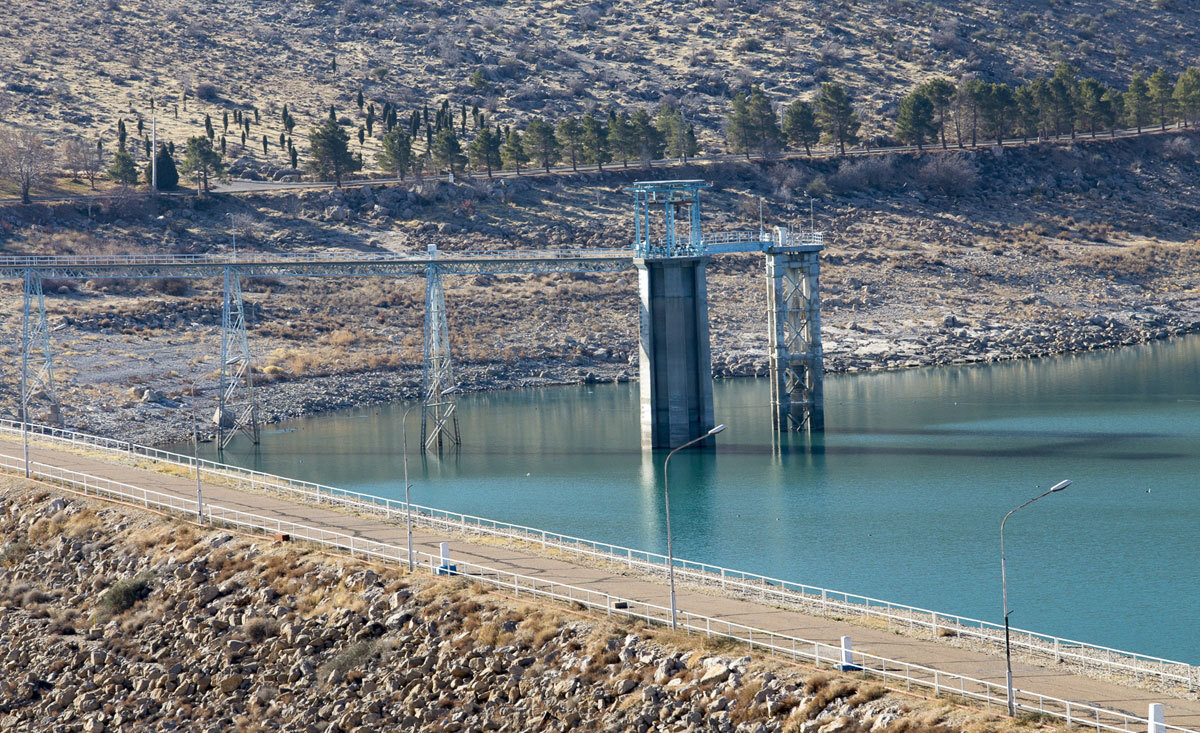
{"x":1037,"y":647}
{"x":819,"y":654}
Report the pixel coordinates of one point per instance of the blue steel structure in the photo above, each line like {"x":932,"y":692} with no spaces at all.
{"x":676,"y":235}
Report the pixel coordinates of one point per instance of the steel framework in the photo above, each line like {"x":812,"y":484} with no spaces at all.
{"x":35,"y":351}
{"x":794,"y":317}
{"x":794,"y":335}
{"x":439,"y":421}
{"x":237,"y":410}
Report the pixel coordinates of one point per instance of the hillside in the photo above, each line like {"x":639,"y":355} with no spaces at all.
{"x":76,"y":67}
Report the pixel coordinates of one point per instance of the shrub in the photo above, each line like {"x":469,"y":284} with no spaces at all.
{"x":14,"y":552}
{"x":1179,"y":148}
{"x":869,"y":172}
{"x":123,"y":594}
{"x":206,"y":91}
{"x":258,"y":630}
{"x":948,"y":175}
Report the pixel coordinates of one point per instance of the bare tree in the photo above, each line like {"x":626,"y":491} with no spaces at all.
{"x":25,"y":159}
{"x":83,"y":159}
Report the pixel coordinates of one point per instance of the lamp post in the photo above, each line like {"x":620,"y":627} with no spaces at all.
{"x":667,"y":504}
{"x":407,"y":485}
{"x":1012,"y":707}
{"x":232,"y":233}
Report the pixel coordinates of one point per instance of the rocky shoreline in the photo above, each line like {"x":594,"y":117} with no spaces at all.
{"x":113,"y":619}
{"x":854,"y":348}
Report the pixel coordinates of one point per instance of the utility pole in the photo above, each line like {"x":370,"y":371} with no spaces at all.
{"x":153,"y":149}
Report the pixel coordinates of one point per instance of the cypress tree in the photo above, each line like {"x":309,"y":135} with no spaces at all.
{"x":168,"y":174}
{"x":282,"y":141}
{"x":292,"y":154}
{"x":121,"y":134}
{"x":208,"y":128}
{"x":370,"y":120}
{"x":222,"y":145}
{"x":264,"y":141}
{"x":362,"y":137}
{"x":146,"y":147}
{"x":140,"y":127}
{"x":359,"y":100}
{"x":224,"y":122}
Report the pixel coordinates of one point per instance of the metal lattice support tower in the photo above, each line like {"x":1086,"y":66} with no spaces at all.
{"x":237,"y":410}
{"x":439,"y":421}
{"x":794,"y":322}
{"x":35,"y":352}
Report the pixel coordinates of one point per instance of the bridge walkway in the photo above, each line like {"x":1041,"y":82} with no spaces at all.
{"x":1056,"y":683}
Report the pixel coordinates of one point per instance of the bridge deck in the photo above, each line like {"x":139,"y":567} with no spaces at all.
{"x":1057,"y":683}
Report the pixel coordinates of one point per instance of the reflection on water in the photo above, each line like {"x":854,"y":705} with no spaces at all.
{"x":900,"y":499}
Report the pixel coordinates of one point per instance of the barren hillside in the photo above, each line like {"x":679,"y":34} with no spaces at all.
{"x":75,"y":67}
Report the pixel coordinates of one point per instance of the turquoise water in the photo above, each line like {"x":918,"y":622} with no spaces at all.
{"x":901,"y":498}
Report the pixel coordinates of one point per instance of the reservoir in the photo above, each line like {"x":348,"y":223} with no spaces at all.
{"x":900,"y":499}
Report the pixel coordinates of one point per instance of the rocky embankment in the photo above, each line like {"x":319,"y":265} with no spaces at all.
{"x":112,"y":619}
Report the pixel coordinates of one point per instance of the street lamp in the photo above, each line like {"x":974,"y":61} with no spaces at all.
{"x":1012,"y":708}
{"x":667,"y":503}
{"x":232,"y":233}
{"x":407,"y":485}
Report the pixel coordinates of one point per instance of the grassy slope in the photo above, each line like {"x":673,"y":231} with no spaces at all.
{"x":75,"y":66}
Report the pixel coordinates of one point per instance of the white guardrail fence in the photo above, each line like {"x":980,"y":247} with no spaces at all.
{"x":806,"y":598}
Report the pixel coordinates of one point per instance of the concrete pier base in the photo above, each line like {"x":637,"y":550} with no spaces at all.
{"x":794,"y":338}
{"x":675,"y":366}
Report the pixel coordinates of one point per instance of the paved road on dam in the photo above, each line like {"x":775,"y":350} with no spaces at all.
{"x":1051,"y":682}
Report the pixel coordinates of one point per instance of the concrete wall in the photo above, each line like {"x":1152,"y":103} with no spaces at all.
{"x":675,"y":366}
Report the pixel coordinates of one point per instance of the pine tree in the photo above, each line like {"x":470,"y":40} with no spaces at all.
{"x":513,"y":152}
{"x":1137,"y":101}
{"x":800,"y":125}
{"x":764,"y":123}
{"x":540,"y":137}
{"x":646,"y":140}
{"x":1161,"y":88}
{"x":446,"y":150}
{"x":1027,"y":112}
{"x":1063,"y":93}
{"x":594,"y":141}
{"x":200,"y":160}
{"x":621,"y":138}
{"x":914,"y":121}
{"x":836,"y":115}
{"x":329,"y":152}
{"x":738,"y":133}
{"x":940,"y":93}
{"x":122,"y":169}
{"x":997,"y":108}
{"x":571,"y":135}
{"x":1091,"y":103}
{"x":485,"y":149}
{"x":1187,"y":95}
{"x":395,"y":152}
{"x":673,"y":132}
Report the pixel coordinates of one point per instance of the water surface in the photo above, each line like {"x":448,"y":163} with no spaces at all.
{"x":900,"y":499}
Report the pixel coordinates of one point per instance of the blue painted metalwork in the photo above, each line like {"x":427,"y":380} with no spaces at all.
{"x":649,"y":241}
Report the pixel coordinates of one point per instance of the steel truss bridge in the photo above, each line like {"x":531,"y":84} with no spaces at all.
{"x":237,"y":410}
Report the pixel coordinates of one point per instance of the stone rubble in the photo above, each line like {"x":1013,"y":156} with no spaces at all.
{"x":113,"y":620}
